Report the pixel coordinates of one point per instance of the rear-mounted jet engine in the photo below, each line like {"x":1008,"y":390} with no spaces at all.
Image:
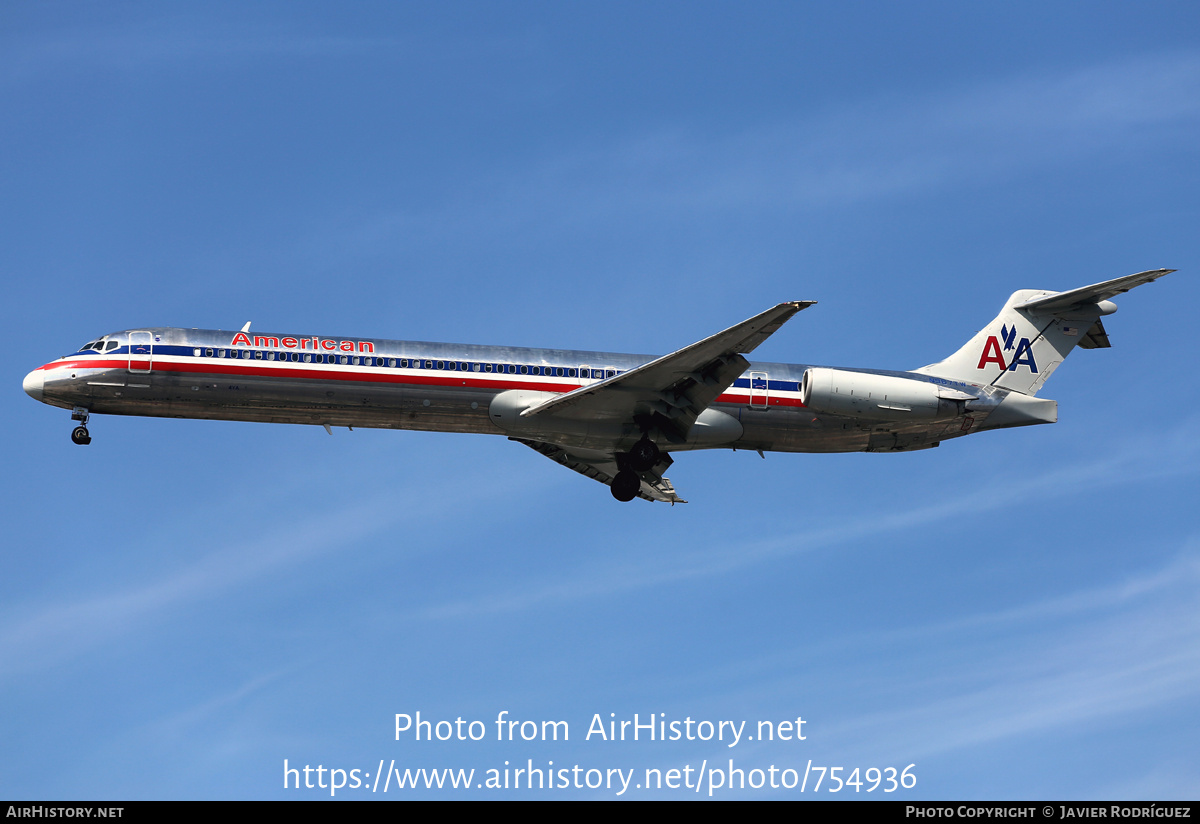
{"x":878,"y":397}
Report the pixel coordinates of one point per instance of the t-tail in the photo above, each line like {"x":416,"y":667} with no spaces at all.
{"x":1034,"y":333}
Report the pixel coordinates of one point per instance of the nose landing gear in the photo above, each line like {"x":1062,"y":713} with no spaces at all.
{"x":80,"y":434}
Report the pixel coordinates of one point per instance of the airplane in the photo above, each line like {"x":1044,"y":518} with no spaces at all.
{"x":617,"y":419}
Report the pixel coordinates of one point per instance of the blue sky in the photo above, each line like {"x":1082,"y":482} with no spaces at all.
{"x":186,"y":603}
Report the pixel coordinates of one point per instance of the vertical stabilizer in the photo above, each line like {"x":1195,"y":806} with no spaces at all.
{"x":1034,"y":333}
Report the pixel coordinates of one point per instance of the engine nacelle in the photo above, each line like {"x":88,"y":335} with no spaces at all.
{"x":878,"y":397}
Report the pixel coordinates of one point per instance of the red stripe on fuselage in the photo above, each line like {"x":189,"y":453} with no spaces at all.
{"x":307,"y":372}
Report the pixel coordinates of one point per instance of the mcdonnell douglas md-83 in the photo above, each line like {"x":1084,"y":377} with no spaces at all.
{"x":614,"y":418}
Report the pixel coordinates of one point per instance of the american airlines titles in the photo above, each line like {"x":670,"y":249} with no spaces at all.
{"x":315,"y":344}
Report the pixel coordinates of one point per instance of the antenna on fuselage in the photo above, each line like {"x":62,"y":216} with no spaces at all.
{"x":246,"y":328}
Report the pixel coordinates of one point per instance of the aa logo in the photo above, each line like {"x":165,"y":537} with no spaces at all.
{"x":1023,"y":356}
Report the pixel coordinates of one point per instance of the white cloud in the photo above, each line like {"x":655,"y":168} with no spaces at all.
{"x":865,"y":150}
{"x":1135,"y":460}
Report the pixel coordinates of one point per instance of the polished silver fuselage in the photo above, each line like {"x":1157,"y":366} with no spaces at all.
{"x":361,"y":382}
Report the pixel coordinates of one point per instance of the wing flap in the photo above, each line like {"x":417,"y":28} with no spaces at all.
{"x":602,"y":467}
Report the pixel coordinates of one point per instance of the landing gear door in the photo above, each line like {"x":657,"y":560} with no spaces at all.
{"x":758,"y":390}
{"x":141,"y":352}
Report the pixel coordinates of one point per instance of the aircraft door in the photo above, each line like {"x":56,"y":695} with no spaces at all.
{"x":758,"y":390}
{"x":141,"y":351}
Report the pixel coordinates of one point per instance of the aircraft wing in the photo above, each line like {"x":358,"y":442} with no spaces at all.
{"x":669,"y":393}
{"x":1087,"y":295}
{"x":602,"y":467}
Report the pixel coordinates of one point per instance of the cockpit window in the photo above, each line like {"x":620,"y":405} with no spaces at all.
{"x":111,"y":345}
{"x":94,"y":345}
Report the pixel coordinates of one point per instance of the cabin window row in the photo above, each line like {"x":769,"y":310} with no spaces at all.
{"x":410,"y":363}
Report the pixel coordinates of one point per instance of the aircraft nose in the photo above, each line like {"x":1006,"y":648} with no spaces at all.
{"x":33,"y":384}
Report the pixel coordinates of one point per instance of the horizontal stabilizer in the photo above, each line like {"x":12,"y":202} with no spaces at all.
{"x":1087,"y":295}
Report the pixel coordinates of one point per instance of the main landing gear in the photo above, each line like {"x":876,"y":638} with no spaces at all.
{"x":642,"y":457}
{"x":80,"y":434}
{"x":626,"y":485}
